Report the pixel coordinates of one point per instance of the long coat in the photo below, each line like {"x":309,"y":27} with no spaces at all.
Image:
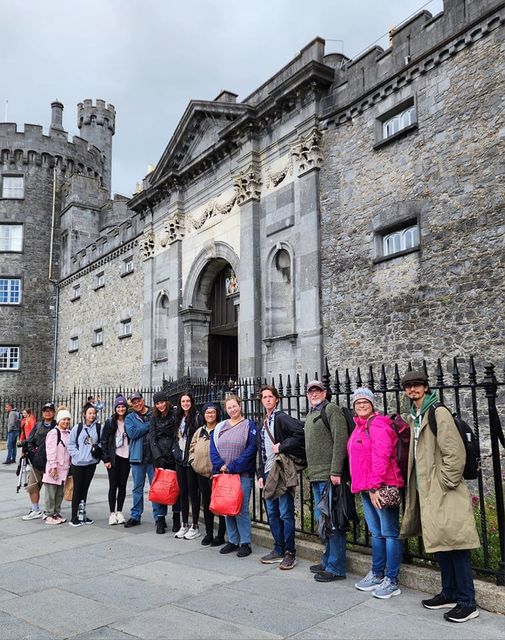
{"x":441,"y":509}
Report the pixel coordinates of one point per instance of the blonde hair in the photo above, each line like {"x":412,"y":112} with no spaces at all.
{"x":232,"y":396}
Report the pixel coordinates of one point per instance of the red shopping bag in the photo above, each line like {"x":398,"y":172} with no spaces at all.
{"x":226,"y":498}
{"x":164,"y":488}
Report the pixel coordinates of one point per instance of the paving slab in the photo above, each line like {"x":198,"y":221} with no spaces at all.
{"x":228,"y":564}
{"x":104,"y":633}
{"x":11,"y":628}
{"x":24,"y":577}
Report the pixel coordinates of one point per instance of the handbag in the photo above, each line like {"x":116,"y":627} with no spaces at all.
{"x":227,"y":496}
{"x":164,"y":488}
{"x":68,"y":489}
{"x":390,"y":497}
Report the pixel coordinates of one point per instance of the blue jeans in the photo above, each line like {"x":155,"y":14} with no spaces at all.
{"x":457,"y":579}
{"x":139,"y":473}
{"x":12,"y":438}
{"x":334,"y":557}
{"x":238,"y":527}
{"x":281,"y":518}
{"x":387,"y":548}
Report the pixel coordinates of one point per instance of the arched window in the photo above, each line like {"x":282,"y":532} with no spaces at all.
{"x":161,"y":327}
{"x":400,"y":240}
{"x":398,"y":122}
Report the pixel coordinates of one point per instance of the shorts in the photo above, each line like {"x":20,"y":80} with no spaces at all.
{"x":34,"y":480}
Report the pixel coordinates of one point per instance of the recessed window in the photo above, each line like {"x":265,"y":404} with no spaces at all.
{"x":11,"y":237}
{"x":100,"y":280}
{"x":10,"y":290}
{"x":98,"y":337}
{"x":127,"y":266}
{"x":74,"y":344}
{"x":401,"y":240}
{"x":76,"y":292}
{"x":398,"y":122}
{"x":13,"y":187}
{"x":126,"y":328}
{"x":9,"y":358}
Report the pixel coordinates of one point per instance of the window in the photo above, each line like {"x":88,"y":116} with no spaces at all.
{"x":13,"y":187}
{"x":11,"y":237}
{"x":400,"y":240}
{"x":10,"y":290}
{"x":398,"y":122}
{"x":74,"y":344}
{"x":98,"y":337}
{"x":100,"y":280}
{"x":127,"y":266}
{"x":9,"y":358}
{"x":76,"y":292}
{"x":126,"y":328}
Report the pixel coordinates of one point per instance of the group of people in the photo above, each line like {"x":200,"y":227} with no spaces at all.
{"x":198,"y":444}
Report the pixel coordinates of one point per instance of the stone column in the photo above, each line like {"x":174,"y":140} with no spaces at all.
{"x":146,"y":247}
{"x":196,"y":341}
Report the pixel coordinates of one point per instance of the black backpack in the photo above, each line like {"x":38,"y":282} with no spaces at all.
{"x":39,"y":456}
{"x":346,"y":412}
{"x":472,"y":464}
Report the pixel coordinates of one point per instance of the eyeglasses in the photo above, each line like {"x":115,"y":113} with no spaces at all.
{"x":411,"y":385}
{"x":316,"y":391}
{"x":362,"y":403}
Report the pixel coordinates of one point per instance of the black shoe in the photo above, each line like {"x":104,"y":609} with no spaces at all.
{"x":229,"y":547}
{"x":461,"y":614}
{"x":326,"y":576}
{"x":161,"y":525}
{"x":217,"y":542}
{"x":244,"y":551}
{"x":6,"y":462}
{"x":176,"y":522}
{"x":131,"y":523}
{"x":439,"y":602}
{"x":316,"y":568}
{"x":208,"y":539}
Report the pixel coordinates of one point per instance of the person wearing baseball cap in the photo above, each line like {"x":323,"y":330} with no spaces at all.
{"x":437,"y":501}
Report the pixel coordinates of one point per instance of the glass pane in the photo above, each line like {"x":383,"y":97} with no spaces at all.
{"x":392,"y":243}
{"x":410,"y":237}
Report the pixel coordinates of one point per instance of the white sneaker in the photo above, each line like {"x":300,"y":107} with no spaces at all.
{"x":182,"y":531}
{"x":193,"y":533}
{"x":120,"y":517}
{"x":113,"y":519}
{"x":33,"y":515}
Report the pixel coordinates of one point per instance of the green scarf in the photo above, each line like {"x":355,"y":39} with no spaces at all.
{"x":429,"y":399}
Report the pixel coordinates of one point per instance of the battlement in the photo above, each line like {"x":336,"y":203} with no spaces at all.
{"x":100,"y":114}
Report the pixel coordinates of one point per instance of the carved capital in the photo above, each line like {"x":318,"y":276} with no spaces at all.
{"x":247,"y":185}
{"x":146,"y":244}
{"x":173,"y":229}
{"x":307,"y":152}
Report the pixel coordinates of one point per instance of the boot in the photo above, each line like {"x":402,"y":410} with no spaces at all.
{"x":161,"y":525}
{"x":176,"y":521}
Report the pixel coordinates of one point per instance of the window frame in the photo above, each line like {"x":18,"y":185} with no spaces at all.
{"x":9,"y":303}
{"x":19,"y":225}
{"x":74,"y":344}
{"x":76,"y":292}
{"x":9,"y":358}
{"x":400,"y":228}
{"x":100,"y":280}
{"x":97,"y":337}
{"x":8,"y":176}
{"x":127,"y":267}
{"x":126,"y":323}
{"x":398,"y":111}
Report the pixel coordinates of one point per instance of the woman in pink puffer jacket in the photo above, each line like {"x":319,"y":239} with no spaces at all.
{"x":372,"y":461}
{"x":57,"y":466}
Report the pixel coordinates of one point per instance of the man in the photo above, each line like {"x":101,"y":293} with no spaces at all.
{"x":137,"y":429}
{"x":438,"y":504}
{"x":35,"y":439}
{"x":326,"y":447}
{"x":280,"y":434}
{"x":13,"y":427}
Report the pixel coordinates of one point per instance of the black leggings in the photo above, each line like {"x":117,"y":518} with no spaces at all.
{"x":188,"y":490}
{"x":118,"y":478}
{"x":82,"y":479}
{"x":205,"y":485}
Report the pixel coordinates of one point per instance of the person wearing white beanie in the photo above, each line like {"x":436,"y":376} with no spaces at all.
{"x":57,"y":466}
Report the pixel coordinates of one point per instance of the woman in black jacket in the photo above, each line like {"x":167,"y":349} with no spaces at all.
{"x":163,"y":440}
{"x":115,"y":456}
{"x":188,"y":421}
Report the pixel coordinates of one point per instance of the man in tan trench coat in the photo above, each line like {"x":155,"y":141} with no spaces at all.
{"x":438,"y":504}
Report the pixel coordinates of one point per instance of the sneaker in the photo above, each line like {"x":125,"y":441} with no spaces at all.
{"x":120,"y":517}
{"x":327,"y":576}
{"x":75,"y":522}
{"x":161,"y":525}
{"x":244,"y":550}
{"x":44,"y":515}
{"x":88,"y":521}
{"x":113,"y":519}
{"x":53,"y":520}
{"x":316,"y":568}
{"x":439,"y":602}
{"x":194,"y":532}
{"x":33,"y":515}
{"x":176,"y":522}
{"x":207,"y":539}
{"x":369,"y":582}
{"x":217,"y":542}
{"x":272,"y":558}
{"x":461,"y":614}
{"x":131,"y":523}
{"x":288,"y":562}
{"x":182,"y":531}
{"x":60,"y":517}
{"x":386,"y":589}
{"x":229,"y":547}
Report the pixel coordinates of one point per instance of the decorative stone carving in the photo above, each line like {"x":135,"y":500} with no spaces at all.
{"x":146,"y":244}
{"x":274,"y":178}
{"x":174,"y":230}
{"x":247,"y":185}
{"x":307,"y":151}
{"x":213,"y":209}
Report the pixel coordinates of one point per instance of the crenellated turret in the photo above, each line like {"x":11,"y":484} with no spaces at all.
{"x":97,"y":125}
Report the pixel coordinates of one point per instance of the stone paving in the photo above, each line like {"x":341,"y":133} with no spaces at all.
{"x":104,"y":582}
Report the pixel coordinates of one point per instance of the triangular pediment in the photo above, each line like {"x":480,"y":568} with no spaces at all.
{"x":196,"y":134}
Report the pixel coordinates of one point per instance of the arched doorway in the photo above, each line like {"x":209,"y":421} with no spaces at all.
{"x":223,"y":334}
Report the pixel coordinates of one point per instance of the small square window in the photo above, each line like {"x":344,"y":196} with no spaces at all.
{"x":74,"y":344}
{"x":13,"y":187}
{"x":126,"y":328}
{"x":9,"y":358}
{"x":11,"y":237}
{"x":127,"y":266}
{"x":100,"y":280}
{"x":98,"y":337}
{"x":76,"y":292}
{"x":10,"y":290}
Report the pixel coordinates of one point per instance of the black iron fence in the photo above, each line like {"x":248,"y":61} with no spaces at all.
{"x":477,"y":396}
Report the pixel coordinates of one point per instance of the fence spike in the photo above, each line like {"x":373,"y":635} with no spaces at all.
{"x":472,"y":372}
{"x":439,"y":374}
{"x":359,"y":381}
{"x":337,"y":383}
{"x":383,"y":383}
{"x":306,"y":383}
{"x":396,"y":377}
{"x":371,"y":381}
{"x":297,"y":384}
{"x":455,"y":372}
{"x":281,"y":386}
{"x":347,"y":384}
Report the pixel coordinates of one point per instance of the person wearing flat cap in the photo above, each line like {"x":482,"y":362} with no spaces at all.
{"x":438,"y":504}
{"x":325,"y":444}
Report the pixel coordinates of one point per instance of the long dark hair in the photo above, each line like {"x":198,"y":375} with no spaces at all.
{"x":190,"y":418}
{"x":157,"y":413}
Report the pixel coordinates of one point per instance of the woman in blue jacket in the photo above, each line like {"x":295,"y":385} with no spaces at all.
{"x":233,"y":450}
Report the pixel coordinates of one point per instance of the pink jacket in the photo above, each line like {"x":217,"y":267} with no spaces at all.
{"x":57,"y":456}
{"x":372,"y":454}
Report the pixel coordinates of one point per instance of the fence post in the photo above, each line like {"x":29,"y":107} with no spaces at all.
{"x":490,"y":386}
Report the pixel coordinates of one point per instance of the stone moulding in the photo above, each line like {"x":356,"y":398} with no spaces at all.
{"x":274,"y":178}
{"x":247,"y":185}
{"x":307,"y":152}
{"x":146,"y":244}
{"x":213,"y":209}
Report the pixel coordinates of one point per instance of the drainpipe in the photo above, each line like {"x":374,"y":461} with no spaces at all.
{"x":55,"y":284}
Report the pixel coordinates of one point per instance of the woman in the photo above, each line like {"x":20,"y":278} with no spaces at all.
{"x":57,"y":466}
{"x":27,"y":423}
{"x":115,"y":455}
{"x":373,"y":464}
{"x":199,"y":457}
{"x":83,"y":437}
{"x":188,"y":421}
{"x":164,"y":443}
{"x":233,"y":450}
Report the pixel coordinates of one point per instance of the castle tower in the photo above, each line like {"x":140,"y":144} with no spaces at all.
{"x":97,"y":125}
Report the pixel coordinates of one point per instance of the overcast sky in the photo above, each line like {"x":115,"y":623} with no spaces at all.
{"x":151,"y":57}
